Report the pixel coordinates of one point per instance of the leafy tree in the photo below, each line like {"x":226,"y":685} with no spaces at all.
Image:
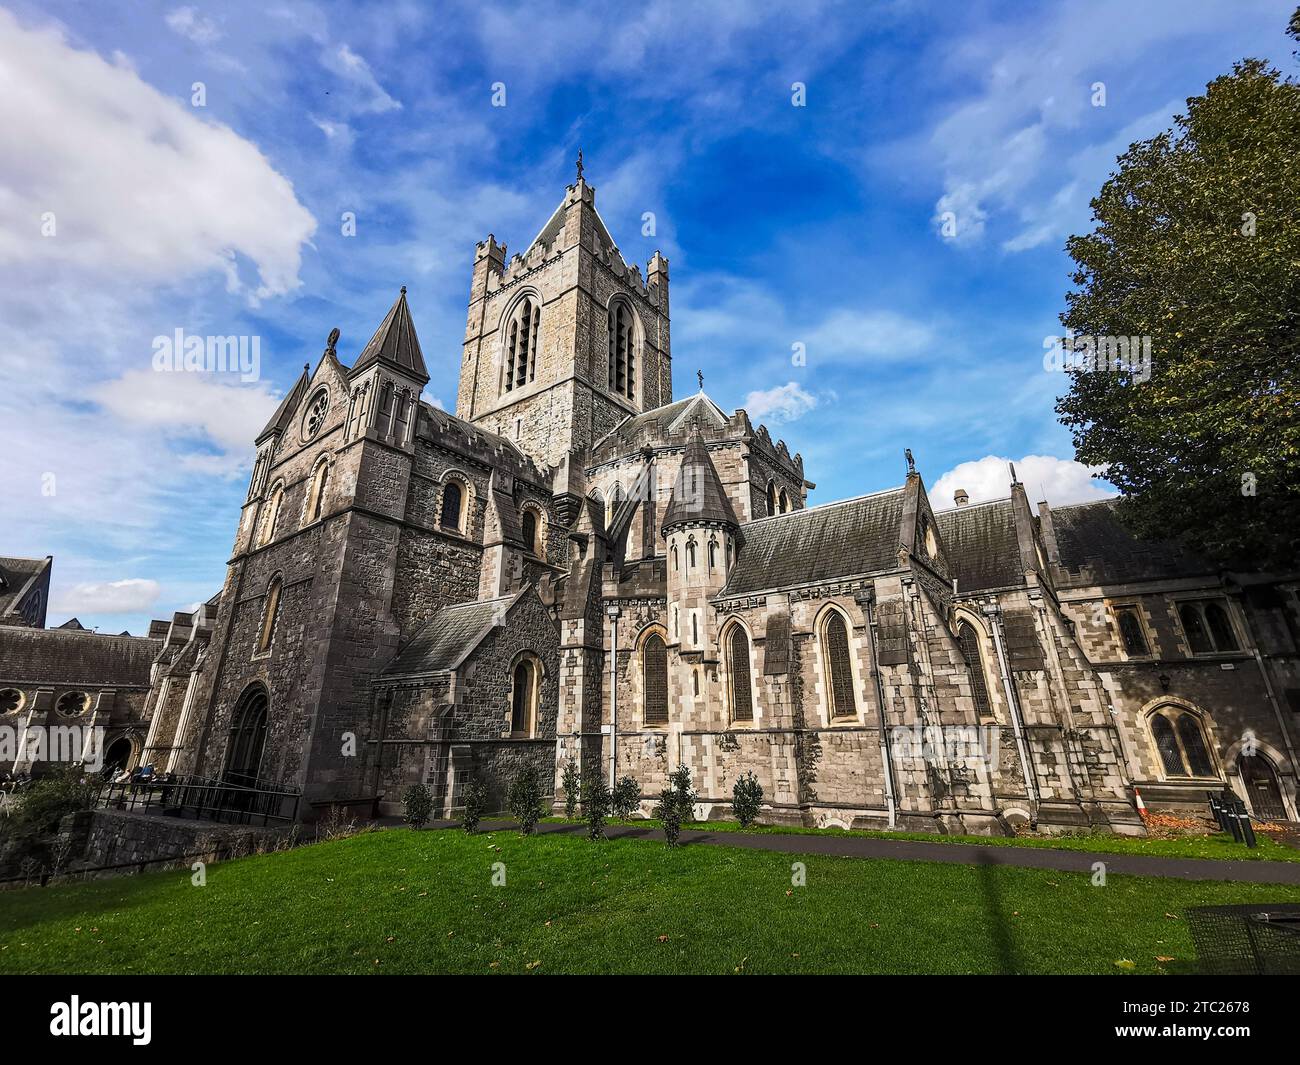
{"x":1197,"y":245}
{"x":525,"y":799}
{"x":595,"y":804}
{"x":627,"y":794}
{"x":571,"y":782}
{"x":746,"y":798}
{"x":475,"y":803}
{"x":419,"y":805}
{"x":676,"y":803}
{"x":34,"y":824}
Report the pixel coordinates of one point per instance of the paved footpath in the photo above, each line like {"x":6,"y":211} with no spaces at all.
{"x":1247,"y":871}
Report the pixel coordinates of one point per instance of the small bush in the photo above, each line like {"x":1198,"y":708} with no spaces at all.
{"x":626,"y":797}
{"x":595,"y":805}
{"x":475,"y":802}
{"x":571,"y":782}
{"x":419,"y":805}
{"x":676,"y":803}
{"x":525,"y":799}
{"x":746,"y":798}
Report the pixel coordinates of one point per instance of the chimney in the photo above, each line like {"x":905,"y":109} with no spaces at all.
{"x":960,"y":497}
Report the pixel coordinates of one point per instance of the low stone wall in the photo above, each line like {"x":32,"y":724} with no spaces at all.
{"x":113,"y":837}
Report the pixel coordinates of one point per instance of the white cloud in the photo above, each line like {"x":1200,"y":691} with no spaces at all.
{"x":190,"y":24}
{"x":342,"y":60}
{"x":138,"y":186}
{"x":785,"y":403}
{"x":130,"y":596}
{"x":1059,"y":481}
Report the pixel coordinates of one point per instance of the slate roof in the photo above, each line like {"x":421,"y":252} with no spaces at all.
{"x":818,"y":544}
{"x":15,"y":576}
{"x":444,"y":641}
{"x":75,"y":657}
{"x":661,"y":421}
{"x":981,"y":546}
{"x":1096,"y":546}
{"x":697,"y":493}
{"x":395,"y":342}
{"x":284,"y":412}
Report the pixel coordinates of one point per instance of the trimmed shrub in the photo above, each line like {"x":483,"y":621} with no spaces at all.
{"x":746,"y":798}
{"x":475,"y":797}
{"x":571,"y":782}
{"x":595,"y":805}
{"x":525,"y":799}
{"x":626,"y":797}
{"x":676,"y":803}
{"x":419,"y":805}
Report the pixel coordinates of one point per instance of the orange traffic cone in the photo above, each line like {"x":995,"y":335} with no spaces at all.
{"x":1141,"y":806}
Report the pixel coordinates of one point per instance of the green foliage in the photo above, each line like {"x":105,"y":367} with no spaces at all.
{"x":626,"y":797}
{"x":676,"y":803}
{"x":475,"y":803}
{"x":746,"y":798}
{"x":571,"y":782}
{"x":525,"y":799}
{"x":419,"y":805}
{"x":1197,"y":245}
{"x":63,"y":790}
{"x":595,"y":804}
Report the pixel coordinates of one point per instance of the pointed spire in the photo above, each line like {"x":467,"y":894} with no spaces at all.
{"x":395,"y":343}
{"x":698,"y":495}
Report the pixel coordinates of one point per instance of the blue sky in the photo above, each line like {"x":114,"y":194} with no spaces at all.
{"x":127,"y":212}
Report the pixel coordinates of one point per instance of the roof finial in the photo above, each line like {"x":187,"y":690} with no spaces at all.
{"x":579,"y":164}
{"x":1014,"y":480}
{"x":700,"y":375}
{"x":403,"y":290}
{"x":333,"y":339}
{"x":911,"y":462}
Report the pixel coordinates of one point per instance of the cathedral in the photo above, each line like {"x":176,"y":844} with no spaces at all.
{"x":581,"y":566}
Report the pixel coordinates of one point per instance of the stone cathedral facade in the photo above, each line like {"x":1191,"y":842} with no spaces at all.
{"x":580,"y":566}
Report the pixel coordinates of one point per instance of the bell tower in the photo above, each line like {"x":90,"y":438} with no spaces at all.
{"x":565,"y":340}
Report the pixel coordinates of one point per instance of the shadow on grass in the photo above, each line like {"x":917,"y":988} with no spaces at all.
{"x":999,"y":929}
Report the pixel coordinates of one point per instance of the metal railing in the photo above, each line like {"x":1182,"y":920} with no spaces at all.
{"x":203,"y":799}
{"x":1261,"y":939}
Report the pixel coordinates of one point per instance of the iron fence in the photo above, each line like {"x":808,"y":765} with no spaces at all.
{"x":203,"y":799}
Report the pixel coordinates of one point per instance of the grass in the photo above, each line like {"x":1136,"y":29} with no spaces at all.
{"x":1219,"y":845}
{"x":408,"y":902}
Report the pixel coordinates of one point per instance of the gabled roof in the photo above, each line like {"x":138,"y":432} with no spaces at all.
{"x":76,"y":658}
{"x":1095,"y":545}
{"x":554,"y":224}
{"x":845,"y":539}
{"x":17,"y":577}
{"x":449,"y":637}
{"x":284,"y":412}
{"x":670,"y":418}
{"x":981,"y":545}
{"x":698,"y":495}
{"x":395,"y":342}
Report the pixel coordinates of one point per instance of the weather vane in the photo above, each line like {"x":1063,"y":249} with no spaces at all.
{"x":700,"y":375}
{"x":579,"y":164}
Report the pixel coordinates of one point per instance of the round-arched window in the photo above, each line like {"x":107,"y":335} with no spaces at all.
{"x":11,"y":700}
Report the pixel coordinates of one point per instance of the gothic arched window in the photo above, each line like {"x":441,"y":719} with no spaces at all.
{"x":1180,"y":741}
{"x":1194,"y":626}
{"x":785,"y":502}
{"x":523,"y":697}
{"x":270,"y":615}
{"x":690,"y":554}
{"x":270,"y":515}
{"x":530,"y":531}
{"x":654,"y":672}
{"x":316,"y":492}
{"x":521,"y":344}
{"x":742,"y":698}
{"x":622,"y":349}
{"x":452,"y":497}
{"x":839,"y":670}
{"x":713,"y":554}
{"x":1220,"y":628}
{"x":771,"y":497}
{"x":1130,"y":631}
{"x":968,"y":640}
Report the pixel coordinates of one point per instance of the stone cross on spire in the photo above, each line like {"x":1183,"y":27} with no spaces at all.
{"x":579,"y":164}
{"x":700,"y":375}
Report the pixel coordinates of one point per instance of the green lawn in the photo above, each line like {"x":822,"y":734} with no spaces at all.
{"x":406,"y":902}
{"x":1219,"y":845}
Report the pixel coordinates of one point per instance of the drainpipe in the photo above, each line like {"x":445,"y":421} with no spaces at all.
{"x":995,"y":626}
{"x":612,"y":612}
{"x":886,"y":757}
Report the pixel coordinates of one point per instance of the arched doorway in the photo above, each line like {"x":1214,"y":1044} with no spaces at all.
{"x":117,"y":757}
{"x":1262,"y":791}
{"x":247,"y":738}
